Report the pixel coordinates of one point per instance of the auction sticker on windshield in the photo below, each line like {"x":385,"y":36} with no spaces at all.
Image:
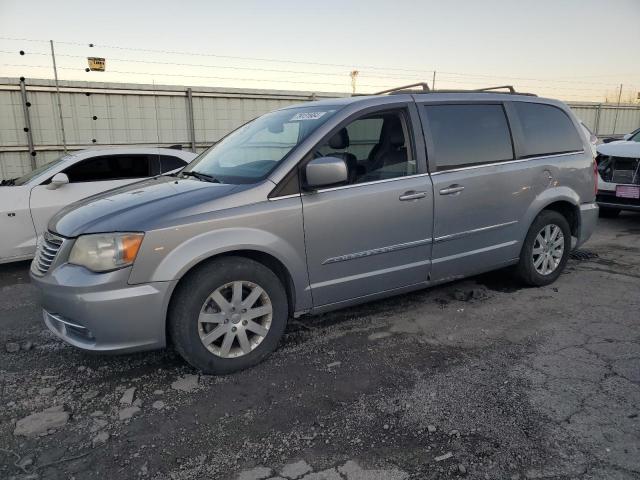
{"x":306,"y":116}
{"x":627,"y":191}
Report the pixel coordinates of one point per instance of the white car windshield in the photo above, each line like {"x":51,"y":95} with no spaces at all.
{"x":41,"y":169}
{"x":252,"y":151}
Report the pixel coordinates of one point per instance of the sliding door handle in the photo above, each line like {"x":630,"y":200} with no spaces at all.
{"x":412,"y":195}
{"x":452,"y":189}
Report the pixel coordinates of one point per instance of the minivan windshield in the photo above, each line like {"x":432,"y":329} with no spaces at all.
{"x":251,"y":152}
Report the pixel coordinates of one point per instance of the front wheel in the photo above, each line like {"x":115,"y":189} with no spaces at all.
{"x":546,"y":249}
{"x":228,"y":315}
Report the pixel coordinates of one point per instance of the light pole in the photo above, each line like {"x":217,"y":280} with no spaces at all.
{"x":354,"y":75}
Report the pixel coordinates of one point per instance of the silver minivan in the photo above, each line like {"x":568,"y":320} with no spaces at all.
{"x":316,"y":207}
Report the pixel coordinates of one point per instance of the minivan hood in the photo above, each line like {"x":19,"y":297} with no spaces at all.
{"x":140,"y":206}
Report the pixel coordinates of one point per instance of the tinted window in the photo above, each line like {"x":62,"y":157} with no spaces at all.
{"x":375,"y":147}
{"x":546,"y":130}
{"x":466,"y":135}
{"x":168,"y":163}
{"x":109,"y":167}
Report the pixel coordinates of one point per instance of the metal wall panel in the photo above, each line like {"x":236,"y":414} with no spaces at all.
{"x":136,"y":114}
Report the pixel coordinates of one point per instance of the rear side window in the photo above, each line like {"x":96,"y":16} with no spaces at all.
{"x":109,"y":167}
{"x":465,"y":135}
{"x":546,"y":129}
{"x":168,"y":163}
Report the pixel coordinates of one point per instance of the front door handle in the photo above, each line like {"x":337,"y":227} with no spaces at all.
{"x":452,"y":189}
{"x":412,"y":195}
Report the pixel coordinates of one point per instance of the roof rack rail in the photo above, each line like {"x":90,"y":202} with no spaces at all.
{"x":424,"y":85}
{"x":426,"y":89}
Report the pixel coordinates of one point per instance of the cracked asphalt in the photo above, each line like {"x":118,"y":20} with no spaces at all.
{"x":479,"y":378}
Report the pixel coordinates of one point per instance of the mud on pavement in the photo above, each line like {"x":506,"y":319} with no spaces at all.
{"x":475,"y":379}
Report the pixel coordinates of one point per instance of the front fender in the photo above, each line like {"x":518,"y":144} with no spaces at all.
{"x":158,"y":266}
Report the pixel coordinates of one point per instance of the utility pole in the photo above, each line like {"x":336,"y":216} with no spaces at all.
{"x":354,"y":75}
{"x":433,"y":82}
{"x":615,"y":120}
{"x":55,"y":76}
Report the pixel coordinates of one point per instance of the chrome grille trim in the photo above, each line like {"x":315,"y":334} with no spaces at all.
{"x":48,"y":247}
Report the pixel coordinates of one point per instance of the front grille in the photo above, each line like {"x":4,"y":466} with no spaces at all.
{"x":48,"y":247}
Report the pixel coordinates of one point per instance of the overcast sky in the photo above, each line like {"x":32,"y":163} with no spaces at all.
{"x":573,"y":49}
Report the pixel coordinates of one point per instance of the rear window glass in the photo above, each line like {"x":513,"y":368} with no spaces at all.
{"x":546,"y":130}
{"x":466,"y":135}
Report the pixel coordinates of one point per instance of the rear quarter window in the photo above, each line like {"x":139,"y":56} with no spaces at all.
{"x":169,"y":163}
{"x":465,"y":135}
{"x":546,"y":130}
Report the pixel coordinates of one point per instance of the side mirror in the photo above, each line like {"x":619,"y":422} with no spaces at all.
{"x":58,"y":180}
{"x":325,"y":171}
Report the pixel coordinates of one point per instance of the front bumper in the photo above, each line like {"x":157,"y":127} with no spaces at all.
{"x":101,"y":312}
{"x":588,"y":222}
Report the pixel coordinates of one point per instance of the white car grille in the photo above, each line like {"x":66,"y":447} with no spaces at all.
{"x":48,"y":248}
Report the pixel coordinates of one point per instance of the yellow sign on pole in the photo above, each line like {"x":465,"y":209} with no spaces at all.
{"x":96,"y":64}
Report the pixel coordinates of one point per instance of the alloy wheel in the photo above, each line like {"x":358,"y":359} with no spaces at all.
{"x":548,"y":249}
{"x":235,"y":319}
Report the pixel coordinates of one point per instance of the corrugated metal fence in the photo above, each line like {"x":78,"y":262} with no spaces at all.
{"x":133,"y":114}
{"x":114,"y":114}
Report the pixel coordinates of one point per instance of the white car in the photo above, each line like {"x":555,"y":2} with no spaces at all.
{"x":619,"y":176}
{"x":27,"y":203}
{"x":634,"y":136}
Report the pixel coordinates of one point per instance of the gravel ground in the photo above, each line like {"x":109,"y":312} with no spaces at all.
{"x":478,"y":379}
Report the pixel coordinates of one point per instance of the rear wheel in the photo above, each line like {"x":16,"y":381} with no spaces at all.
{"x":228,"y":315}
{"x":607,"y":212}
{"x":546,"y":249}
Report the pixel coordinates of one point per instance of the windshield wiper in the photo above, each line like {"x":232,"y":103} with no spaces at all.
{"x":8,"y":183}
{"x":200,"y":176}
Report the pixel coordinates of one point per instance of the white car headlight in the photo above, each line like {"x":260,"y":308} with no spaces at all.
{"x":106,"y":251}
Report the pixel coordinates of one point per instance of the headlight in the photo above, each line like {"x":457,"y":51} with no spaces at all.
{"x":106,"y":251}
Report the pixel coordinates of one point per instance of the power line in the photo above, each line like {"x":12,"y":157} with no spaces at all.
{"x":203,"y":76}
{"x":451,"y":77}
{"x":215,"y":55}
{"x":446,"y":76}
{"x":522,"y":78}
{"x":375,"y":67}
{"x":152,"y":62}
{"x":345,"y":84}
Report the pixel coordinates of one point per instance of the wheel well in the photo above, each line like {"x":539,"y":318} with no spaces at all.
{"x":568,"y":211}
{"x":269,"y":261}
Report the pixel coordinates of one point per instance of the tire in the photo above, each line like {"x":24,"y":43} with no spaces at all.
{"x":196,"y":296}
{"x":606,"y":212}
{"x":528,"y":268}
